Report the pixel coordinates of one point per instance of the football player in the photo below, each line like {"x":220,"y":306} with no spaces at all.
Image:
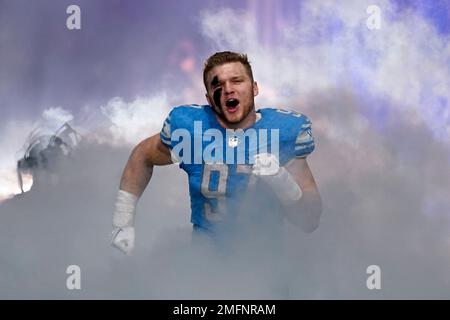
{"x":274,"y":170}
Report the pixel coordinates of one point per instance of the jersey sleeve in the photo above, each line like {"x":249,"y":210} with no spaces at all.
{"x":166,"y":132}
{"x":304,"y":143}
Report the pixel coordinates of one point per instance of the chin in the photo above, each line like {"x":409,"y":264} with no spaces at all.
{"x":234,"y":119}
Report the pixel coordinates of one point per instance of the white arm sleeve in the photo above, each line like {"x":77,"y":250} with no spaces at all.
{"x":125,"y":209}
{"x":267,"y":167}
{"x":284,"y":186}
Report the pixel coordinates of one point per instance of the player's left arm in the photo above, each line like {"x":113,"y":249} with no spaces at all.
{"x":306,"y":211}
{"x":295,"y":187}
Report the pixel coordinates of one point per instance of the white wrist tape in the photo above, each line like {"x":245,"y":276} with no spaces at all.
{"x":124,"y":209}
{"x":284,"y":185}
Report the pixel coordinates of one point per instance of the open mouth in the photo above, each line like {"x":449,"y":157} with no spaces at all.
{"x":232,"y":104}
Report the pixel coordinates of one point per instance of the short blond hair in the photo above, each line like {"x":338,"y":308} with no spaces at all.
{"x":220,"y":58}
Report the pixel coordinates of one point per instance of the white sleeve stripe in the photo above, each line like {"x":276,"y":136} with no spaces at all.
{"x":304,"y":139}
{"x":304,"y":147}
{"x":164,"y":135}
{"x":311,"y":141}
{"x":166,"y":141}
{"x":166,"y":129}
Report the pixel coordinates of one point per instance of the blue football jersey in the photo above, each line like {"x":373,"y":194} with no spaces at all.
{"x":218,"y":162}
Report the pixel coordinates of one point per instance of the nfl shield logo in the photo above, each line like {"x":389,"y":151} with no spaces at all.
{"x":233,"y":142}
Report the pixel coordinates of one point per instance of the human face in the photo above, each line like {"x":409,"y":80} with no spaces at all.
{"x":231,"y":93}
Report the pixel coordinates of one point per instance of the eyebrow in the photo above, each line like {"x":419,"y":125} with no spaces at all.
{"x":215,"y":81}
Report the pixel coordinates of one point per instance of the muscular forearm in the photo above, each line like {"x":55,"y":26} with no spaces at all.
{"x":135,"y":178}
{"x":137,"y":173}
{"x":306,"y":211}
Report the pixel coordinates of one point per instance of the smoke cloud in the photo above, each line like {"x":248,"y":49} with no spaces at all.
{"x":379,"y":104}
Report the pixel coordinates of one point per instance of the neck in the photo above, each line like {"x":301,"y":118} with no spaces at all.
{"x":245,"y":123}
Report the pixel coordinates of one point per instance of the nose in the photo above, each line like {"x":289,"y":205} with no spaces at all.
{"x":228,"y":88}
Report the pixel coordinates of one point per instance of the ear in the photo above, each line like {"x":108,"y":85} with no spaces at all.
{"x":209,"y":100}
{"x":255,"y":89}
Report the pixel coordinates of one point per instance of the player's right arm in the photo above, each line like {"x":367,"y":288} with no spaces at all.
{"x":135,"y":178}
{"x":139,"y":168}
